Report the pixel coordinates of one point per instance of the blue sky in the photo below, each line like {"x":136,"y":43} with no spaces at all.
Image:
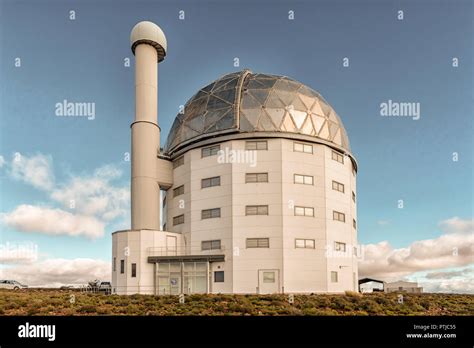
{"x":407,"y":60}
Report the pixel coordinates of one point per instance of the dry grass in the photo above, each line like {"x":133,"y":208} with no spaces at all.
{"x":55,"y":302}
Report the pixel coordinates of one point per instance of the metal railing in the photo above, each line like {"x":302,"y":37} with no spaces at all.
{"x":181,"y":251}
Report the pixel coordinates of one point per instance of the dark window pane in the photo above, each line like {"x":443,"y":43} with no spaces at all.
{"x":219,"y":276}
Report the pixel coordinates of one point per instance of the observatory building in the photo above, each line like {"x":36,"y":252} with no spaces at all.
{"x":254,"y":192}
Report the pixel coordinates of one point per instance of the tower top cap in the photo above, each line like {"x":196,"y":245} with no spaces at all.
{"x":149,"y":33}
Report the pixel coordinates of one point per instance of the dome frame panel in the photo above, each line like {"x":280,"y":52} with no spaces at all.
{"x":245,"y":102}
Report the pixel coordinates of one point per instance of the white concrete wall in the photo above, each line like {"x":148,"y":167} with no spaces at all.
{"x":304,"y":269}
{"x":135,"y":247}
{"x":299,"y":270}
{"x":343,"y":263}
{"x":247,"y":262}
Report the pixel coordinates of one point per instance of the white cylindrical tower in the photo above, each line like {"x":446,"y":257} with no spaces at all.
{"x":149,"y":46}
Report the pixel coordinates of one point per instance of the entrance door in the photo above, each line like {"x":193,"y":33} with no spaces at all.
{"x":268,"y":281}
{"x":171,"y":247}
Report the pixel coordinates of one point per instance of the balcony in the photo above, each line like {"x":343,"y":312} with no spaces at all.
{"x":181,"y":251}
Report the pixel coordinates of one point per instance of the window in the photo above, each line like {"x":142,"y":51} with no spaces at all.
{"x":178,"y":191}
{"x":218,"y":276}
{"x":256,"y":145}
{"x":338,"y":246}
{"x":300,"y":147}
{"x":256,"y":177}
{"x":178,"y":162}
{"x":333,"y":277}
{"x":304,"y":211}
{"x":337,"y":157}
{"x":114,"y":265}
{"x":303,"y":179}
{"x":269,"y":277}
{"x":354,"y":250}
{"x":122,"y":266}
{"x":210,"y":151}
{"x":210,"y":182}
{"x":164,"y":226}
{"x":353,"y":170}
{"x":353,"y":197}
{"x":338,"y":216}
{"x":304,"y":243}
{"x":354,"y":224}
{"x":337,"y":186}
{"x":178,"y":220}
{"x":211,"y":244}
{"x":210,"y":213}
{"x":134,"y":270}
{"x":257,"y":243}
{"x":256,"y":210}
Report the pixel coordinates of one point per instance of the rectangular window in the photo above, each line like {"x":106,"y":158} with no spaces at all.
{"x":354,"y":224}
{"x":210,"y":213}
{"x":353,"y":197}
{"x":210,"y":182}
{"x":256,"y":177}
{"x":257,"y":243}
{"x":338,"y":216}
{"x":333,"y":277}
{"x":178,"y":191}
{"x":338,"y":246}
{"x":115,"y":264}
{"x":211,"y":244}
{"x":210,"y":151}
{"x":304,"y":243}
{"x":337,"y":157}
{"x":256,"y":210}
{"x":122,"y":266}
{"x":269,"y":277}
{"x":303,"y":179}
{"x":337,"y":186}
{"x":353,"y":170}
{"x":256,"y":145}
{"x":354,"y":250}
{"x":178,"y":220}
{"x":304,"y":211}
{"x":218,"y":276}
{"x":134,"y":270}
{"x":300,"y":147}
{"x":178,"y":162}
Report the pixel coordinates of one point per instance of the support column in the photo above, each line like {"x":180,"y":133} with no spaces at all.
{"x":149,"y":46}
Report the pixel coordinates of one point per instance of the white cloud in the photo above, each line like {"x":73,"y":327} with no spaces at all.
{"x":29,"y":218}
{"x":453,"y":249}
{"x":456,"y":224}
{"x":35,"y":170}
{"x":88,"y":202}
{"x":95,"y":195}
{"x":2,"y":161}
{"x":459,"y":286}
{"x":450,"y":274}
{"x":58,"y":272}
